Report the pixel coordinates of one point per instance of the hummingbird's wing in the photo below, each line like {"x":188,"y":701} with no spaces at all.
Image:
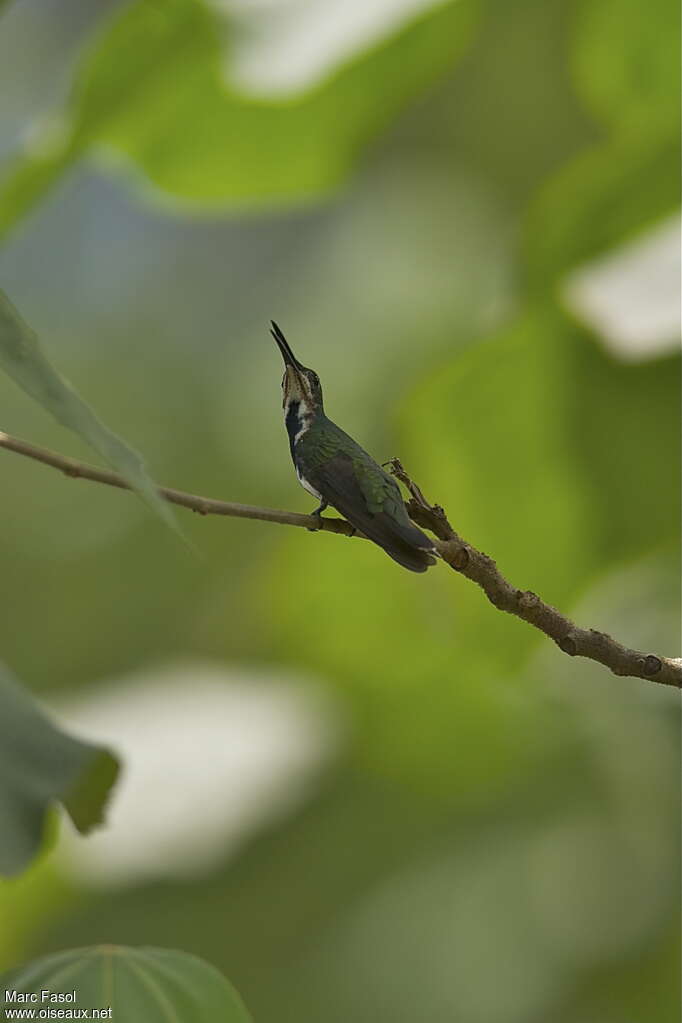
{"x":371,"y":501}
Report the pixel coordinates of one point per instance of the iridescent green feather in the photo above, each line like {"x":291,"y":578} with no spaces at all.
{"x":325,"y":439}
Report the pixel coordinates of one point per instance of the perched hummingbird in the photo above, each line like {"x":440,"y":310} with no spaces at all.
{"x":338,"y":472}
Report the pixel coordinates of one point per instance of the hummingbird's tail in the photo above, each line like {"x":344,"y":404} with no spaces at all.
{"x":409,"y":547}
{"x":402,"y":540}
{"x":415,"y":560}
{"x":379,"y":513}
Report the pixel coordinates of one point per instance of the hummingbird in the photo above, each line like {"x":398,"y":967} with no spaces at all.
{"x":333,"y":467}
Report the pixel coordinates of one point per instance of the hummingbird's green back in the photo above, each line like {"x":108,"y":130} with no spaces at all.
{"x":347,"y":477}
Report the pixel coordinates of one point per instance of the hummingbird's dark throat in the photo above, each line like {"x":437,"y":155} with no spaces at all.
{"x":293,"y":424}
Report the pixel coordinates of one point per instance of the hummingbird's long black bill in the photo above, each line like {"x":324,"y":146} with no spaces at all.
{"x":283,"y":345}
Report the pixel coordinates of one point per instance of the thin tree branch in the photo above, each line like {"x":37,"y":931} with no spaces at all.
{"x":456,"y":552}
{"x":201,"y":505}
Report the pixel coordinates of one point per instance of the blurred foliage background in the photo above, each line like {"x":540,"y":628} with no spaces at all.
{"x":360,"y":794}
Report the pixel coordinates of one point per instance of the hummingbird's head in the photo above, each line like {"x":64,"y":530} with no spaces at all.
{"x":300,"y":385}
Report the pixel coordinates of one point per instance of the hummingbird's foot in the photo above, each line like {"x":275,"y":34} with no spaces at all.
{"x":318,"y":515}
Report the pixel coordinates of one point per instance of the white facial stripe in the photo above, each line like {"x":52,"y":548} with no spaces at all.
{"x":304,"y":417}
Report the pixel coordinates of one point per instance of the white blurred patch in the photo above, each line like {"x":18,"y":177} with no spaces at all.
{"x":632,"y":296}
{"x":281,"y":47}
{"x":209,"y":758}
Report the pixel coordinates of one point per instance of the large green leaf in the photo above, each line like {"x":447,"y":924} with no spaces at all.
{"x":550,"y":454}
{"x":153,"y":87}
{"x":39,"y":767}
{"x":139,"y":985}
{"x":600,"y":200}
{"x":626,"y":61}
{"x":488,"y":437}
{"x":625,"y":58}
{"x":24,"y":360}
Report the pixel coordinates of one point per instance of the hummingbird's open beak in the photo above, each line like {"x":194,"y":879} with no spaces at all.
{"x":283,"y":345}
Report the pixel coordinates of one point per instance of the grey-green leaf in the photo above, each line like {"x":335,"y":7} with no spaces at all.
{"x":153,"y":87}
{"x":23,"y":359}
{"x":139,"y":985}
{"x":41,"y":766}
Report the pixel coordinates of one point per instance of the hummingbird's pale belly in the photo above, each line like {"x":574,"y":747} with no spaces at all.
{"x":306,"y":486}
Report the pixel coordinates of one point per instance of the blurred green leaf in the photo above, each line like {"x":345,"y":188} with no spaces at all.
{"x":23,"y":359}
{"x":627,"y":60}
{"x":626,"y":68}
{"x":40,"y":766}
{"x":140,"y":985}
{"x":153,"y":88}
{"x":601,"y":199}
{"x":624,"y":423}
{"x":516,"y":439}
{"x":489,"y":438}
